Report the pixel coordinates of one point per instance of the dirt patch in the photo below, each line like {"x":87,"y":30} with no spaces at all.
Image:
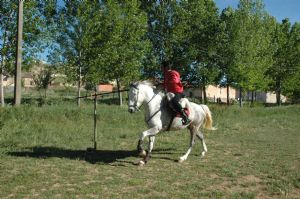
{"x":245,"y":185}
{"x":56,"y":185}
{"x":295,"y":193}
{"x":250,"y":179}
{"x":213,"y":176}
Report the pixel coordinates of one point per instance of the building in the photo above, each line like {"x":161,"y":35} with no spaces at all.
{"x":27,"y":81}
{"x":105,"y":87}
{"x":265,"y":97}
{"x":213,"y":93}
{"x":219,"y":94}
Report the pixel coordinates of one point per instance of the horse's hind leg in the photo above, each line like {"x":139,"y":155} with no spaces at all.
{"x":192,"y":142}
{"x":201,"y":137}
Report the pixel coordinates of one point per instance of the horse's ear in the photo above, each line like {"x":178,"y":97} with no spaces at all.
{"x":151,"y":83}
{"x":133,"y":85}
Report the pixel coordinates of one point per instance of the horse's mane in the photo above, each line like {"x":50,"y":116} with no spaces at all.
{"x":147,"y":83}
{"x":152,"y":85}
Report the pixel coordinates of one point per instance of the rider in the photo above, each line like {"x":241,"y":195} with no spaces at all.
{"x":173,"y":85}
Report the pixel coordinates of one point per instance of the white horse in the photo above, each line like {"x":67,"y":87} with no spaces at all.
{"x":159,"y":117}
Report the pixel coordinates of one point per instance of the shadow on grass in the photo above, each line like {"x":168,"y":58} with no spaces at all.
{"x":98,"y":156}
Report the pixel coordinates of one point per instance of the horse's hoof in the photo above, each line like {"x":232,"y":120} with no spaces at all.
{"x":181,"y":160}
{"x":202,"y":154}
{"x":143,"y":153}
{"x":141,"y":163}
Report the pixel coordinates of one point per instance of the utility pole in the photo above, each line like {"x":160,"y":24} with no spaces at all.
{"x":18,"y":86}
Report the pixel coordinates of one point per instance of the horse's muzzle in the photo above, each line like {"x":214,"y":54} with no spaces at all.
{"x":130,"y":110}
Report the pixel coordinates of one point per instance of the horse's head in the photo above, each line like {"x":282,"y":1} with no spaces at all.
{"x":134,"y":98}
{"x":137,"y":94}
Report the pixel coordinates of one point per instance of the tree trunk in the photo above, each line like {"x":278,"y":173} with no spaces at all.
{"x":79,"y":77}
{"x":227,"y":88}
{"x":119,"y":93}
{"x":1,"y":81}
{"x":1,"y":71}
{"x":95,"y":119}
{"x":18,"y":86}
{"x":252,"y":98}
{"x":79,"y":87}
{"x":201,"y":96}
{"x":45,"y":94}
{"x":1,"y":87}
{"x":278,"y":101}
{"x":240,"y":101}
{"x":278,"y":92}
{"x":204,"y":94}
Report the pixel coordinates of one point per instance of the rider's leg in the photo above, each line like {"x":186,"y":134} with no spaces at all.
{"x":177,"y":106}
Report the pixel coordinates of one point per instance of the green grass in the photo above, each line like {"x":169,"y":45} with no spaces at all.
{"x":253,"y":154}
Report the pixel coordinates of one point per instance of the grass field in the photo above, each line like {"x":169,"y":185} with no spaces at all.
{"x":255,"y":153}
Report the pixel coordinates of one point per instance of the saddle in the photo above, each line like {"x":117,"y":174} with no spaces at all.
{"x":172,"y":109}
{"x":186,"y":110}
{"x":174,"y":114}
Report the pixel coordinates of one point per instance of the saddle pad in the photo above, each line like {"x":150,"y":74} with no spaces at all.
{"x":186,"y":110}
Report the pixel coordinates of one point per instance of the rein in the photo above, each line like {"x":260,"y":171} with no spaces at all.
{"x":153,"y":115}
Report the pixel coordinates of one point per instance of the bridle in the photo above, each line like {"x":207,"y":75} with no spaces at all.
{"x":135,"y":106}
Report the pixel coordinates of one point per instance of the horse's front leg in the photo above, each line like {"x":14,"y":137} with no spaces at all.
{"x":150,"y":147}
{"x":151,"y":133}
{"x":141,"y":151}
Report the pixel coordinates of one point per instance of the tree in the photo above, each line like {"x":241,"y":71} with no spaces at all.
{"x":43,"y":78}
{"x":247,"y":35}
{"x":17,"y":91}
{"x":7,"y":38}
{"x":284,"y":73}
{"x":253,"y":46}
{"x":226,"y":37}
{"x":116,"y":43}
{"x":202,"y":19}
{"x":34,"y":34}
{"x":168,"y":33}
{"x":68,"y":49}
{"x":291,"y":87}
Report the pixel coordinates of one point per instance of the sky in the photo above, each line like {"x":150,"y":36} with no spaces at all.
{"x":280,"y":9}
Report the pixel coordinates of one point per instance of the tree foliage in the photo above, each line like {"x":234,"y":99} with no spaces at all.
{"x":42,"y":79}
{"x":35,"y":34}
{"x":106,"y":38}
{"x":34,"y":31}
{"x":117,"y":40}
{"x":253,"y":45}
{"x":284,"y":73}
{"x":98,"y":41}
{"x":168,"y":31}
{"x":247,"y":50}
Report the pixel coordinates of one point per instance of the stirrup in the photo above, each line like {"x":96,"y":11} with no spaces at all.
{"x":185,"y":122}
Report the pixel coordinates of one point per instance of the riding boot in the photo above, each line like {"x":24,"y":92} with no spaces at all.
{"x":185,"y":117}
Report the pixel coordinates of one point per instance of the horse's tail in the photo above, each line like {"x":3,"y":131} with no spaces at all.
{"x":208,"y":118}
